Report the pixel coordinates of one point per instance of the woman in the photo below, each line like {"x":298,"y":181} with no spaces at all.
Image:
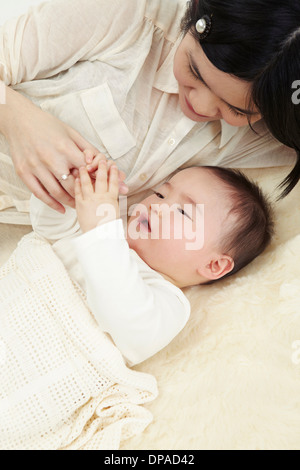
{"x":120,"y":78}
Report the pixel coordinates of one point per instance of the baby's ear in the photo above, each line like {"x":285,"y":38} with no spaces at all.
{"x":217,"y":268}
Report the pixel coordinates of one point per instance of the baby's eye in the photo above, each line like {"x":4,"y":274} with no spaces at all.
{"x":184,"y":213}
{"x":159,"y":195}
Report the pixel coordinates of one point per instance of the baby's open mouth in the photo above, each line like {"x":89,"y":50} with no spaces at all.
{"x":144,"y":222}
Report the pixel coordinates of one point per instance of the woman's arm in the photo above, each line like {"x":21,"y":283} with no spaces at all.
{"x":42,"y":149}
{"x":51,"y":38}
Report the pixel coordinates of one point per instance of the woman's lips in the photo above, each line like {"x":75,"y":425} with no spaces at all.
{"x":192,"y":109}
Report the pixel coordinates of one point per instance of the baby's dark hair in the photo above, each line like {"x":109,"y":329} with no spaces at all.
{"x":252,"y":224}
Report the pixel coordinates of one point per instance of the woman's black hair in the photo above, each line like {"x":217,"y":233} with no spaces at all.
{"x":258,"y":41}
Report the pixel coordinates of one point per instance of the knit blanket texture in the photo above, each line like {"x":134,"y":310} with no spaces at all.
{"x":63,"y":383}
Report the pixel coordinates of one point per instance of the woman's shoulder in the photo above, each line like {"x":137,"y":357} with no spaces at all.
{"x":166,"y":15}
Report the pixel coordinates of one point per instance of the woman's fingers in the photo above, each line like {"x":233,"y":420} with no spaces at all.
{"x":77,"y":190}
{"x":90,"y":155}
{"x":59,"y":188}
{"x":43,"y":148}
{"x":66,"y":181}
{"x":78,"y":148}
{"x":82,"y":143}
{"x":41,"y":193}
{"x":93,"y":167}
{"x":93,"y":161}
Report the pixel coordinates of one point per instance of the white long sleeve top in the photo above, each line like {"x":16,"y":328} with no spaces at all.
{"x":106,"y":69}
{"x":136,"y":306}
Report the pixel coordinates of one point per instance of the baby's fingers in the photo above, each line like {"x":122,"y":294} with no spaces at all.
{"x":113,"y":183}
{"x":101,"y":178}
{"x":86,"y":184}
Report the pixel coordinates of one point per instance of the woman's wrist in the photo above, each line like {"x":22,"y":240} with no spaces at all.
{"x":6,"y":104}
{"x":10,"y":102}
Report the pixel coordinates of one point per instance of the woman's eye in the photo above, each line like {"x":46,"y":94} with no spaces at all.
{"x":236,"y":113}
{"x":194,"y":74}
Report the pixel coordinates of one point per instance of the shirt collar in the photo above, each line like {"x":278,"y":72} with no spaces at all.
{"x":165,"y":79}
{"x":227,"y":132}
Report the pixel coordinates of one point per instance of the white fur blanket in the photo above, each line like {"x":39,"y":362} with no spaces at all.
{"x":63,"y":384}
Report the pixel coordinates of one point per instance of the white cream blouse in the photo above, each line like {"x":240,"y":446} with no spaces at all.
{"x":106,"y":69}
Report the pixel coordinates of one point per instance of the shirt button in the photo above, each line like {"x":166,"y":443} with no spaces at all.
{"x":143,"y":176}
{"x":171,"y":141}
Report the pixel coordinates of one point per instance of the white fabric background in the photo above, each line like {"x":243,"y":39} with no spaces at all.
{"x":15,"y":8}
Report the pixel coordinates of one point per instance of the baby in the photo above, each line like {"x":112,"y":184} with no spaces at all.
{"x":201,"y":225}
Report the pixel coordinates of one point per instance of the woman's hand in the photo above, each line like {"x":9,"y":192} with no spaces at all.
{"x":97,"y":200}
{"x":42,"y":148}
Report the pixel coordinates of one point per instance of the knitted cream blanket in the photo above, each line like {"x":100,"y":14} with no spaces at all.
{"x":63,"y":384}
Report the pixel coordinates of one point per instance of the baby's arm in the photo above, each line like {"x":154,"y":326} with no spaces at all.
{"x":140,"y":310}
{"x":51,"y":224}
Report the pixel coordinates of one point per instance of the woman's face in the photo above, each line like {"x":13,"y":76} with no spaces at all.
{"x":206,"y":93}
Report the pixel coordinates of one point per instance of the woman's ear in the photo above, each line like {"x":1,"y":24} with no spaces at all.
{"x":217,"y":268}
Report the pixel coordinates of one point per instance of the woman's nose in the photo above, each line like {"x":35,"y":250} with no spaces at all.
{"x":204,"y":102}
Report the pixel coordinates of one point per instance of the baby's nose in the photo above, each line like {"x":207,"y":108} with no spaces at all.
{"x":156,"y":208}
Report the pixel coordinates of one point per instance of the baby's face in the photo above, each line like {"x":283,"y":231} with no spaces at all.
{"x":177,"y":228}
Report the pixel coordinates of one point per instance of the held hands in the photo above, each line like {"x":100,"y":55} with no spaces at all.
{"x":96,"y":201}
{"x":43,"y":148}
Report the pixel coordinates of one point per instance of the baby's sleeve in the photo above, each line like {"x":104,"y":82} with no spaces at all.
{"x":54,"y":35}
{"x":142,"y":312}
{"x":50,"y":224}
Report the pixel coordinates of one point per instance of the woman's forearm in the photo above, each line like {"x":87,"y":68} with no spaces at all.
{"x":9,"y":100}
{"x":42,"y":148}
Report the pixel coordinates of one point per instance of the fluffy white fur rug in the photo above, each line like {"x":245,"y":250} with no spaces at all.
{"x":231,"y":379}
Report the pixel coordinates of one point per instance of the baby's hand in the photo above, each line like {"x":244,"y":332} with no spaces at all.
{"x":97,"y":204}
{"x":92,"y":162}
